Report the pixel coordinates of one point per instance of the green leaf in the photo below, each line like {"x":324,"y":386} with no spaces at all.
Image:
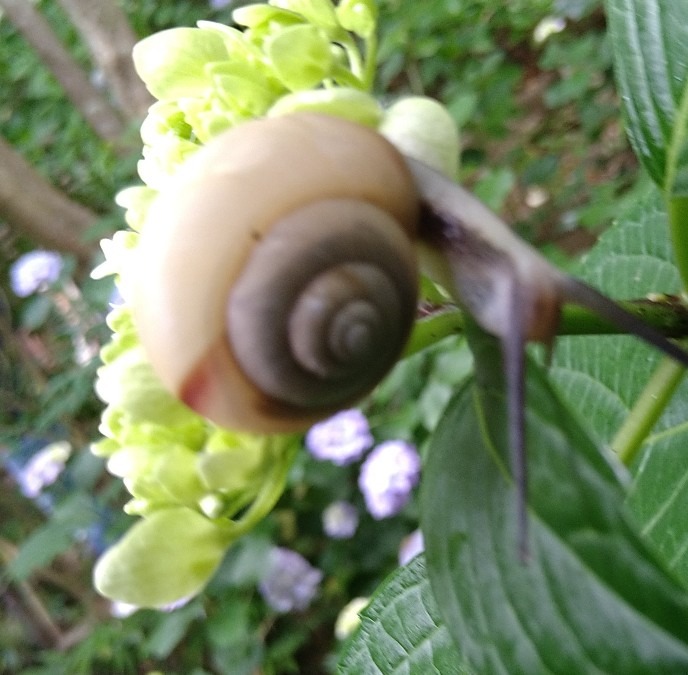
{"x":172,"y":629}
{"x":36,"y":311}
{"x":631,"y":259}
{"x":168,"y":556}
{"x":602,"y":377}
{"x":401,"y":631}
{"x":53,"y":538}
{"x":590,"y":597}
{"x":650,"y":43}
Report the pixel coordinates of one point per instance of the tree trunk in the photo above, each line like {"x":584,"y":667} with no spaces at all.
{"x":106,"y":30}
{"x":32,"y":206}
{"x":94,"y":107}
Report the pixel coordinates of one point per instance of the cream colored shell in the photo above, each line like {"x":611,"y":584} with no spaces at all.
{"x":202,"y":229}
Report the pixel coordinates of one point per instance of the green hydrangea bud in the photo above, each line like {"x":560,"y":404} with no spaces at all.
{"x":345,"y":102}
{"x":422,"y":128}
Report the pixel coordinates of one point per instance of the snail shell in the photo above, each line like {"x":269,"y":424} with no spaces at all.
{"x":277,"y":276}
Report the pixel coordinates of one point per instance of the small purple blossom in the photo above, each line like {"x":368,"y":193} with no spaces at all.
{"x":387,"y":477}
{"x":342,"y":439}
{"x":290,"y":582}
{"x":340,"y":520}
{"x":34,"y":271}
{"x":411,"y":546}
{"x":44,"y":468}
{"x":219,"y":4}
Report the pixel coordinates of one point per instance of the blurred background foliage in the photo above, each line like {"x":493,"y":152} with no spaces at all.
{"x":530,"y":84}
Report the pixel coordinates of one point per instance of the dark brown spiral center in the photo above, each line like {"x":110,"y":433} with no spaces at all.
{"x":324,"y":304}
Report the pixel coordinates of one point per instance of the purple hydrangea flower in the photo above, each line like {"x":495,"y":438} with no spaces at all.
{"x":34,"y":271}
{"x":44,"y":468}
{"x":342,"y":439}
{"x":290,"y":582}
{"x":340,"y":520}
{"x":387,"y":477}
{"x":411,"y":546}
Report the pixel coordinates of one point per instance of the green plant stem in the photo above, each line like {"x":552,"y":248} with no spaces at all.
{"x":677,"y":208}
{"x":431,"y":329}
{"x":666,"y":378}
{"x":268,"y":496}
{"x":647,"y":410}
{"x":354,"y":56}
{"x":370,"y":67}
{"x":668,"y":314}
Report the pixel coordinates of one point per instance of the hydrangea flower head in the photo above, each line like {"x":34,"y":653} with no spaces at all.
{"x":388,"y":476}
{"x":340,"y":520}
{"x":290,"y":582}
{"x":341,"y":439}
{"x":34,"y":271}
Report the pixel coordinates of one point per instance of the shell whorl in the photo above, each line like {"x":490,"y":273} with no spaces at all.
{"x":277,"y":277}
{"x":331,"y":333}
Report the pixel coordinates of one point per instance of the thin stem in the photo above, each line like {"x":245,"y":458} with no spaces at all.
{"x":666,"y":378}
{"x":431,"y":329}
{"x":354,"y":56}
{"x":647,"y":410}
{"x":669,"y":315}
{"x":38,"y":614}
{"x":268,"y":496}
{"x":370,"y":67}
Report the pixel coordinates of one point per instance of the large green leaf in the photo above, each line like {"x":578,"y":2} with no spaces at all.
{"x":650,"y":42}
{"x":401,"y":631}
{"x":590,"y":598}
{"x":602,"y":377}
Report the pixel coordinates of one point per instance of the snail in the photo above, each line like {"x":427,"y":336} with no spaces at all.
{"x":278,"y":274}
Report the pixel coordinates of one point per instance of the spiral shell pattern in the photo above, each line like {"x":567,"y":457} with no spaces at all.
{"x":277,"y":274}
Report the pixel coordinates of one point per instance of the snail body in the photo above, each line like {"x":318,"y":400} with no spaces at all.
{"x":277,"y":273}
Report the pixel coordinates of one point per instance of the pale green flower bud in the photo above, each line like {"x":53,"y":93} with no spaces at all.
{"x":422,"y":128}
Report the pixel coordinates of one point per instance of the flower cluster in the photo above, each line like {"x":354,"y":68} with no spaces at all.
{"x":387,"y":477}
{"x":341,"y":439}
{"x":340,"y":520}
{"x":290,"y":582}
{"x":289,"y":54}
{"x":43,"y":468}
{"x":34,"y":271}
{"x":388,"y":474}
{"x":190,"y":481}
